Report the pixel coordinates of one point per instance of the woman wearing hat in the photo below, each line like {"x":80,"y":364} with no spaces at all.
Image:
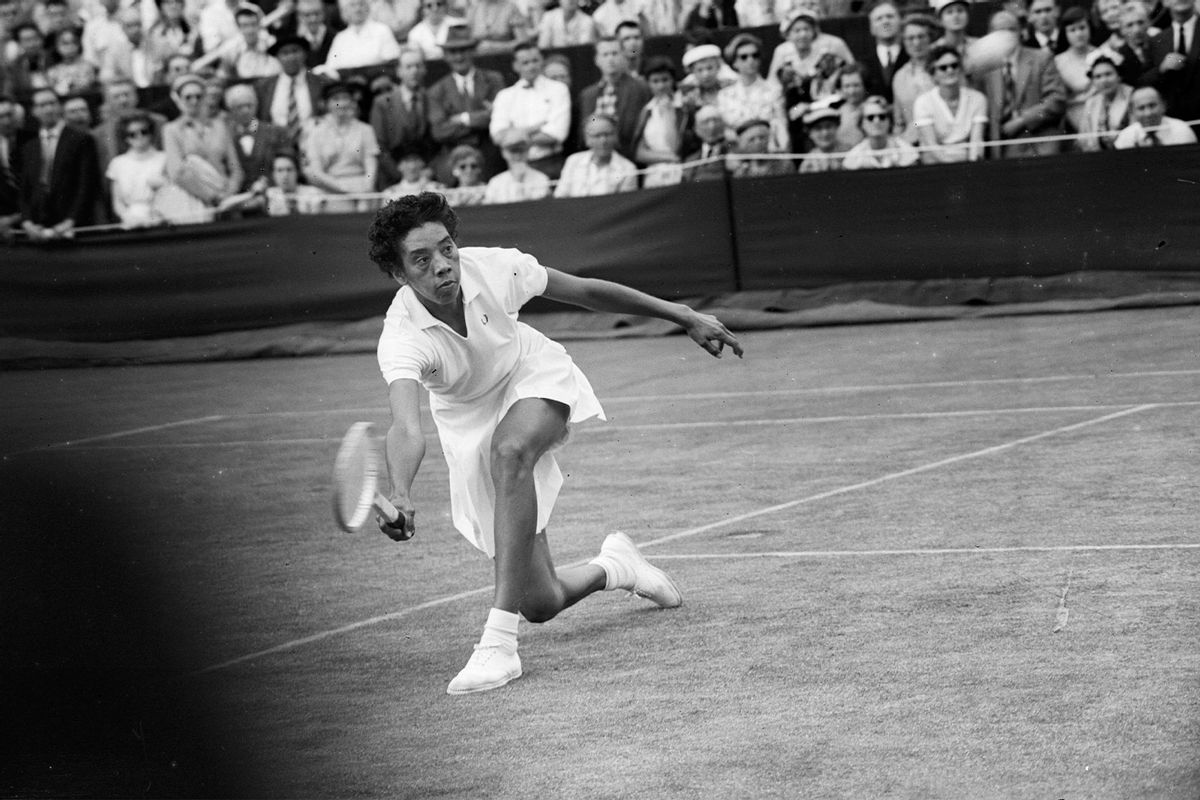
{"x":822,"y":121}
{"x":809,"y":52}
{"x":953,"y":16}
{"x":201,"y":158}
{"x":341,"y":154}
{"x":752,"y":96}
{"x":1106,"y":110}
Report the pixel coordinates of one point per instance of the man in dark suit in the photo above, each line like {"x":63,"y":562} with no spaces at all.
{"x":1174,"y":67}
{"x":59,"y":173}
{"x":312,"y":22}
{"x":885,"y":55}
{"x":293,"y":97}
{"x":710,"y":127}
{"x":1135,"y":52}
{"x":460,"y":106}
{"x":12,"y":138}
{"x":617,"y":94}
{"x":1026,"y":97}
{"x":400,"y":117}
{"x":1043,"y":32}
{"x":255,"y":141}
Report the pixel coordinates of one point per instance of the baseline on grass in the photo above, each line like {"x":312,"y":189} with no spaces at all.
{"x":356,"y":485}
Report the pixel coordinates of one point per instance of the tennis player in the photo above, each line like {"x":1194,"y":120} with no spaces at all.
{"x":502,"y":396}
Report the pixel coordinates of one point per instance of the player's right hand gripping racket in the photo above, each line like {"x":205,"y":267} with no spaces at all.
{"x":356,"y":485}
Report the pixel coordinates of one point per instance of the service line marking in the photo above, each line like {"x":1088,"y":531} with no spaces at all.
{"x":321,"y":636}
{"x":930,"y":551}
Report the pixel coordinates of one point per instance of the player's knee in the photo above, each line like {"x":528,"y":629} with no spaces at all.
{"x":512,"y":458}
{"x":540,"y":612}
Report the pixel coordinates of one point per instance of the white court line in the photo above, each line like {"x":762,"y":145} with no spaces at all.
{"x":317,"y":637}
{"x":939,"y":551}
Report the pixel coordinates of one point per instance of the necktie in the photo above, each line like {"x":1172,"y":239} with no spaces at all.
{"x":293,"y":107}
{"x":1010,"y":92}
{"x":48,"y":148}
{"x":1152,"y":139}
{"x":1181,"y":42}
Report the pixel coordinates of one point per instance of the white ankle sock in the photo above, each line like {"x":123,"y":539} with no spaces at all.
{"x":616,"y":574}
{"x":500,"y":629}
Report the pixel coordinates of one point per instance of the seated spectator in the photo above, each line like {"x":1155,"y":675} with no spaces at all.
{"x":497,"y":25}
{"x":1151,"y":127}
{"x":364,"y":42}
{"x":1135,"y":51}
{"x":617,"y":94}
{"x":880,"y":149}
{"x":707,"y":162}
{"x":815,"y":56}
{"x":52,"y":16}
{"x":136,"y":175}
{"x":913,"y":77}
{"x":629,"y":37}
{"x":201,"y":158}
{"x":171,"y":34}
{"x":312,"y":23}
{"x":256,"y":141}
{"x":286,"y":195}
{"x":13,"y":136}
{"x":1072,"y":64}
{"x":130,"y":57}
{"x":661,"y":131}
{"x":401,"y":117}
{"x":1106,"y":24}
{"x":213,"y":103}
{"x":77,"y":113}
{"x":611,"y":13}
{"x":216,"y":25}
{"x":100,"y":34}
{"x":753,"y":138}
{"x":1106,"y":110}
{"x":951,"y":118}
{"x":69,"y":72}
{"x":414,"y":177}
{"x":536,"y":105}
{"x":520,"y":181}
{"x":398,"y":15}
{"x":822,"y":121}
{"x":566,"y":26}
{"x":600,"y":169}
{"x":704,"y":80}
{"x":460,"y":105}
{"x":28,"y":72}
{"x":341,"y":155}
{"x":755,"y":13}
{"x":58,"y":174}
{"x":853,"y":91}
{"x":558,"y":68}
{"x":467,"y":187}
{"x":249,"y":59}
{"x":660,"y":18}
{"x":430,"y":33}
{"x":751,"y":96}
{"x":953,"y":16}
{"x":709,"y":15}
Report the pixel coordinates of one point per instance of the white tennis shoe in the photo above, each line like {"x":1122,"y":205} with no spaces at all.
{"x":635,"y":574}
{"x":490,"y":667}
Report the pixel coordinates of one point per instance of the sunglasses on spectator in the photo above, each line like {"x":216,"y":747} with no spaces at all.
{"x":433,"y":5}
{"x":875,"y":117}
{"x":136,"y":132}
{"x":190,"y":96}
{"x":948,"y":66}
{"x":747,"y":56}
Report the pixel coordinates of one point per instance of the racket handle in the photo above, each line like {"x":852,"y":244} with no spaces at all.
{"x":394,"y":516}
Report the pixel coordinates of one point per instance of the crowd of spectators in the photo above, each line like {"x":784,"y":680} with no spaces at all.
{"x":299,"y":106}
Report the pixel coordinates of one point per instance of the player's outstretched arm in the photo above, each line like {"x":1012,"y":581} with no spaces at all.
{"x":404,"y":449}
{"x":600,"y":295}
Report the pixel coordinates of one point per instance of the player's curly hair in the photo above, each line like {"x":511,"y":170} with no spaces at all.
{"x":394,"y":221}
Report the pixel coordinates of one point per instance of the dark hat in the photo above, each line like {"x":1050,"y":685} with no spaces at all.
{"x":459,"y":38}
{"x":751,"y":123}
{"x":284,"y":41}
{"x":338,"y":87}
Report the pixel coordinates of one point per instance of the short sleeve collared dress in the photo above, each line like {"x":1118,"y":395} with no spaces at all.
{"x":473,"y":381}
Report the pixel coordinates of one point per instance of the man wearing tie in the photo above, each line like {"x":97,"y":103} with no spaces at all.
{"x":709,"y":159}
{"x":537,"y":106}
{"x":1175,"y":62}
{"x":1135,"y":51}
{"x":292,"y":98}
{"x":1043,"y":33}
{"x":59,"y":174}
{"x":1026,"y":97}
{"x":256,"y":142}
{"x":401,"y":117}
{"x":460,"y":106}
{"x":887,"y":56}
{"x":1151,"y":127}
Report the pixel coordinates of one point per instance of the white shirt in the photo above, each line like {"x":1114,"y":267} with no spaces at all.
{"x":1189,"y":33}
{"x":217,"y":25}
{"x":505,"y":188}
{"x":611,"y":14}
{"x":1171,"y":131}
{"x":430,"y":39}
{"x":369,"y":44}
{"x":886,"y":53}
{"x":546,"y":105}
{"x":583,"y":177}
{"x":279,"y":103}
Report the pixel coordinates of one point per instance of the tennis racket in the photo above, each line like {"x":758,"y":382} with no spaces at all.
{"x":356,"y":484}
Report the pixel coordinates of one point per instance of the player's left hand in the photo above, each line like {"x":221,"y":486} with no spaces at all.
{"x":711,"y":334}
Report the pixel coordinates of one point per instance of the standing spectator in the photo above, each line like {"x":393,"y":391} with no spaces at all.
{"x":1106,"y":24}
{"x":244,"y":56}
{"x":950,"y":119}
{"x":460,"y":105}
{"x":880,"y":149}
{"x":69,"y":72}
{"x":136,"y":175}
{"x":886,"y":54}
{"x":29,"y":71}
{"x":913,"y":78}
{"x":286,"y":195}
{"x":77,"y":113}
{"x":617,"y":94}
{"x":707,"y":161}
{"x":120,"y":98}
{"x":1043,"y":32}
{"x":612,"y":13}
{"x":290,"y":99}
{"x":341,"y":155}
{"x":1135,"y":52}
{"x":466,"y":167}
{"x":662,"y":127}
{"x":1175,"y":61}
{"x":1072,"y":64}
{"x":752,"y":96}
{"x":12,"y":139}
{"x":600,"y":169}
{"x":436,"y":23}
{"x":520,"y":181}
{"x":566,"y":26}
{"x":953,"y":16}
{"x":822,"y":120}
{"x":171,"y":34}
{"x":364,"y":42}
{"x":401,"y":117}
{"x":59,"y":174}
{"x":753,"y":137}
{"x":1106,"y":110}
{"x":498,"y":26}
{"x":1026,"y":97}
{"x":256,"y":141}
{"x":536,"y":105}
{"x":629,"y":36}
{"x":201,"y":159}
{"x":1151,"y":127}
{"x":310,"y":22}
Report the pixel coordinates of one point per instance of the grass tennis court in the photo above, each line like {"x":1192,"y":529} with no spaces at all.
{"x":932,"y":560}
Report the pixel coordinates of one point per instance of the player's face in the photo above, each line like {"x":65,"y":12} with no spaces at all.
{"x":429,"y":261}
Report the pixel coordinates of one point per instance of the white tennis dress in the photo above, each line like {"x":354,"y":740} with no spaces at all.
{"x":473,"y":381}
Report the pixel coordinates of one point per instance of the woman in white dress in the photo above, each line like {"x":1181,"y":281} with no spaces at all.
{"x":950,"y":118}
{"x":880,"y":149}
{"x":136,"y":175}
{"x":502,"y":396}
{"x":1072,"y":63}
